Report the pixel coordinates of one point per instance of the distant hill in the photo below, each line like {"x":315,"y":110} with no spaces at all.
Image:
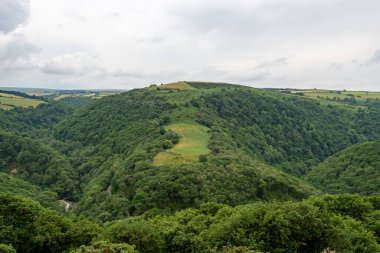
{"x":13,"y":99}
{"x":73,"y":98}
{"x":353,"y":170}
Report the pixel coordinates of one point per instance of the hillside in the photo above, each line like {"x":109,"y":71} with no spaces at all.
{"x":147,"y":140}
{"x":175,"y":146}
{"x":15,"y":186}
{"x":353,"y":170}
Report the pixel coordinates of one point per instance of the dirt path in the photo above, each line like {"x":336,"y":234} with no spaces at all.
{"x":66,"y":204}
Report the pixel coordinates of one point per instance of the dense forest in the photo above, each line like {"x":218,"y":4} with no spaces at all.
{"x":191,"y":167}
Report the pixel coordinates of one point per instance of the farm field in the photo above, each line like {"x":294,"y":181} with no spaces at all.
{"x":94,"y":95}
{"x":9,"y":101}
{"x":338,"y":95}
{"x":193,"y":143}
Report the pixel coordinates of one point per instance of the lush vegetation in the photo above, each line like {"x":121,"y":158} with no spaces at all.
{"x":344,"y":223}
{"x":28,"y":227}
{"x":289,"y":132}
{"x":15,"y":186}
{"x":236,"y":156}
{"x":353,"y":170}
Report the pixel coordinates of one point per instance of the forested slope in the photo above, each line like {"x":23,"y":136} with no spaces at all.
{"x":353,"y":170}
{"x":129,"y":130}
{"x":247,"y":130}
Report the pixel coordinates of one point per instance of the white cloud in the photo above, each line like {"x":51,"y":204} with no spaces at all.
{"x":267,"y":43}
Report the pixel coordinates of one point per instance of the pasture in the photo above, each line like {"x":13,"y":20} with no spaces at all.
{"x":9,"y":101}
{"x":193,"y":143}
{"x":338,"y":95}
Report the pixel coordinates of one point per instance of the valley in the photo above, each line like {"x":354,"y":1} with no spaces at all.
{"x":190,"y":167}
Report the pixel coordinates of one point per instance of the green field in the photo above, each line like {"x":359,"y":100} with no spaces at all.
{"x":193,"y":143}
{"x":94,"y":95}
{"x":9,"y":101}
{"x":338,"y":95}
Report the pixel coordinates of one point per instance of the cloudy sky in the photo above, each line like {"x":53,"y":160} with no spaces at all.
{"x":123,"y":43}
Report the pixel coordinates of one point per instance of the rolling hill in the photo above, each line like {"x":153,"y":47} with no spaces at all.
{"x":177,"y":145}
{"x":9,"y":101}
{"x":353,"y":170}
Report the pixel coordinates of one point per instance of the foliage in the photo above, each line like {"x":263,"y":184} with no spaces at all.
{"x":102,"y":246}
{"x":30,"y":228}
{"x":22,"y":188}
{"x":292,"y":133}
{"x":7,"y":248}
{"x":308,"y":226}
{"x":353,"y":170}
{"x":33,"y":161}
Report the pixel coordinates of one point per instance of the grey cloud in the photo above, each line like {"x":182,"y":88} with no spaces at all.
{"x":153,"y":39}
{"x":257,"y":18}
{"x":335,"y":66}
{"x":146,"y":75}
{"x":12,"y":14}
{"x":376,"y":57}
{"x":282,"y":61}
{"x":74,"y":64}
{"x":217,"y":73}
{"x":251,"y":76}
{"x":15,"y":51}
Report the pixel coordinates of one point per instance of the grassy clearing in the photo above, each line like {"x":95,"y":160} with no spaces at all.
{"x":177,"y":86}
{"x":193,"y":143}
{"x":9,"y":101}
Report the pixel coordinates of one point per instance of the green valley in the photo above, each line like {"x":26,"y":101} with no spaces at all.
{"x":190,"y":167}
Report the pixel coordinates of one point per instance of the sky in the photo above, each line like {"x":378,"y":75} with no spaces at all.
{"x":69,"y":44}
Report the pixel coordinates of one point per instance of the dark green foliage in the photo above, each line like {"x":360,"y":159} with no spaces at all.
{"x":37,"y":163}
{"x":76,"y":102}
{"x":353,"y":170}
{"x":31,"y":120}
{"x":15,"y":186}
{"x":289,"y":132}
{"x":106,"y":247}
{"x":308,"y":226}
{"x":7,"y":249}
{"x":30,"y":228}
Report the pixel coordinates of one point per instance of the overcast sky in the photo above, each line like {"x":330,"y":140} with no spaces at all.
{"x":69,"y":44}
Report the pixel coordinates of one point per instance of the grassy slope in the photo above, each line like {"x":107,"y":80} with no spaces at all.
{"x":9,"y":101}
{"x":193,"y":143}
